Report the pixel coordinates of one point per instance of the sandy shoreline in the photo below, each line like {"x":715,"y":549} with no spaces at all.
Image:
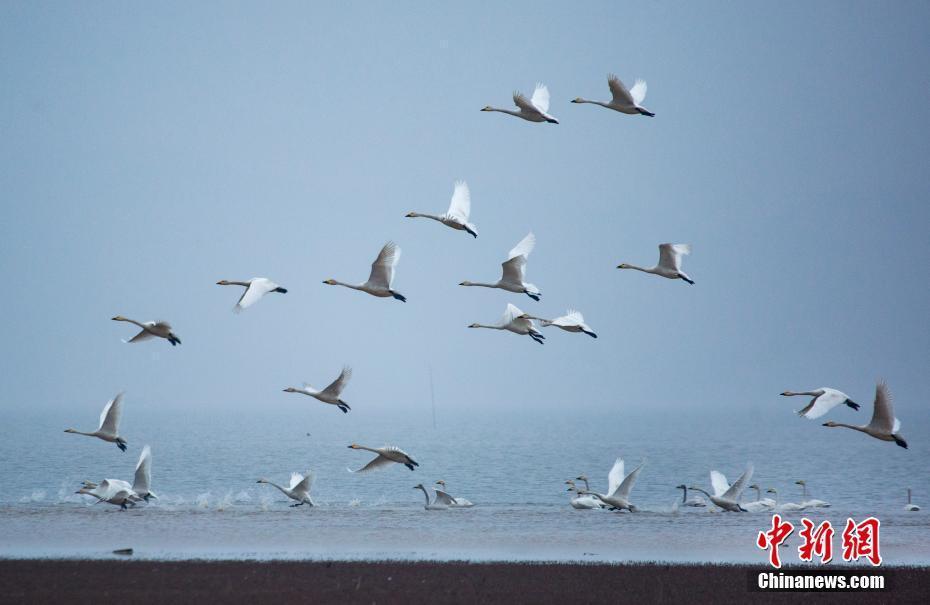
{"x":105,"y":581}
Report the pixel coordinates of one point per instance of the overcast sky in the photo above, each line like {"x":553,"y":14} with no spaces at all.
{"x":149,"y":151}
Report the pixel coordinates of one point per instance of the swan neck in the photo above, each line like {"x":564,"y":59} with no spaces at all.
{"x":479,"y":284}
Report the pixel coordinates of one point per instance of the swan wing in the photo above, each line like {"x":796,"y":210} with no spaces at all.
{"x":737,"y":488}
{"x":621,"y":96}
{"x":627,"y":486}
{"x":524,"y":247}
{"x":443,"y":498}
{"x":382,"y":270}
{"x":377,"y":463}
{"x":110,"y":416}
{"x":143,"y":335}
{"x":524,"y":104}
{"x":615,"y":476}
{"x":823,"y":403}
{"x":540,"y":98}
{"x":511,"y":313}
{"x":670,"y":255}
{"x":719,"y":482}
{"x":513,"y":270}
{"x":460,"y":206}
{"x":638,"y":92}
{"x":143,"y":477}
{"x":335,"y":389}
{"x":258,"y":287}
{"x":301,"y":483}
{"x":883,"y":418}
{"x":571,"y":318}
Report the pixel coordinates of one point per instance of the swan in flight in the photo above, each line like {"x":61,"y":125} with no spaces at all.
{"x":513,"y":322}
{"x":142,"y":481}
{"x":109,"y":423}
{"x":813,"y":503}
{"x":534,"y":110}
{"x":696,"y":501}
{"x":624,"y":100}
{"x":909,"y":506}
{"x":669,"y":262}
{"x":331,"y":394}
{"x":111,"y":491}
{"x":824,"y":400}
{"x":299,"y":488}
{"x":381,"y":278}
{"x":255,"y":288}
{"x":585,"y":502}
{"x":572,"y":321}
{"x":440,"y":502}
{"x":618,"y":487}
{"x":787,"y":507}
{"x":883,"y":425}
{"x":457,"y":215}
{"x":727,"y":496}
{"x":150,"y":329}
{"x":455,"y":502}
{"x":514,"y":269}
{"x":386,"y":455}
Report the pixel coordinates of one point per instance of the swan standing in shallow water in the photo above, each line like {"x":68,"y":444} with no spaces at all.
{"x":151,"y":329}
{"x":386,"y":455}
{"x":438,"y":503}
{"x":109,"y":423}
{"x":381,"y":279}
{"x":812,"y":503}
{"x":909,"y":506}
{"x":513,"y":271}
{"x":572,"y":321}
{"x":618,"y":487}
{"x":883,"y":425}
{"x":695,"y":501}
{"x":534,"y":110}
{"x":727,"y":497}
{"x":513,"y":322}
{"x":787,"y":507}
{"x":824,"y":400}
{"x":454,"y":502}
{"x":669,"y":262}
{"x":331,"y":394}
{"x":299,"y":488}
{"x":459,"y":210}
{"x":255,"y":288}
{"x":624,"y":100}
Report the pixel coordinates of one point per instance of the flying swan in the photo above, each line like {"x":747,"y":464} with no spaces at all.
{"x":618,"y":487}
{"x":386,"y":455}
{"x":513,"y":322}
{"x":624,"y":100}
{"x":572,"y":321}
{"x":255,"y":288}
{"x":150,"y":329}
{"x":381,"y":278}
{"x":299,"y":488}
{"x":459,"y":209}
{"x":109,"y":423}
{"x":331,"y":394}
{"x":669,"y":262}
{"x":883,"y":425}
{"x":824,"y":400}
{"x":533,"y":110}
{"x":513,"y":271}
{"x":727,"y":496}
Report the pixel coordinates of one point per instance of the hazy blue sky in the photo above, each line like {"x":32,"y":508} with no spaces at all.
{"x":148,"y":151}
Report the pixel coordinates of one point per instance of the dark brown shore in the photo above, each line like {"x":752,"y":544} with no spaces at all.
{"x":128,"y":581}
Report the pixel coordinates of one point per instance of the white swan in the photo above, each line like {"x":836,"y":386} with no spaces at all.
{"x":331,"y":394}
{"x":455,"y":502}
{"x":812,"y":503}
{"x":909,"y":506}
{"x":583,"y":502}
{"x":883,"y":425}
{"x":572,"y":321}
{"x":618,"y":487}
{"x":760,"y":504}
{"x":142,"y":481}
{"x":438,"y":503}
{"x":386,"y":455}
{"x":459,"y":210}
{"x":766,"y":501}
{"x":513,"y":271}
{"x":669,"y":262}
{"x":727,"y":496}
{"x":111,"y":491}
{"x":824,"y":400}
{"x":787,"y":507}
{"x":513,"y":322}
{"x":534,"y":110}
{"x":695,"y":501}
{"x":299,"y":488}
{"x":624,"y":100}
{"x":381,"y":279}
{"x":255,"y":288}
{"x":109,"y":423}
{"x":151,"y":329}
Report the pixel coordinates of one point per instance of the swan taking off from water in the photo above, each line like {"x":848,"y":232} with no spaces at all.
{"x":255,"y":288}
{"x":514,"y":269}
{"x":109,"y":423}
{"x":618,"y":487}
{"x":624,"y":100}
{"x":787,"y":507}
{"x":572,"y":321}
{"x":454,"y":502}
{"x":440,"y":502}
{"x":824,"y":400}
{"x":386,"y":455}
{"x":159,"y":329}
{"x":883,"y":425}
{"x":513,"y":322}
{"x":298,"y":490}
{"x":142,"y":481}
{"x":111,"y":491}
{"x":695,"y":501}
{"x":533,"y":110}
{"x":669,"y":262}
{"x":330,"y":394}
{"x":909,"y":506}
{"x":381,"y":278}
{"x":459,"y":209}
{"x":727,"y":496}
{"x":813,"y":503}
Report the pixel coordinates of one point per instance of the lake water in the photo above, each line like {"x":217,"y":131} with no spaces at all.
{"x":511,"y":465}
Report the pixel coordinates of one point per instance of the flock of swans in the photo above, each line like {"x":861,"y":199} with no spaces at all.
{"x":725,"y":497}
